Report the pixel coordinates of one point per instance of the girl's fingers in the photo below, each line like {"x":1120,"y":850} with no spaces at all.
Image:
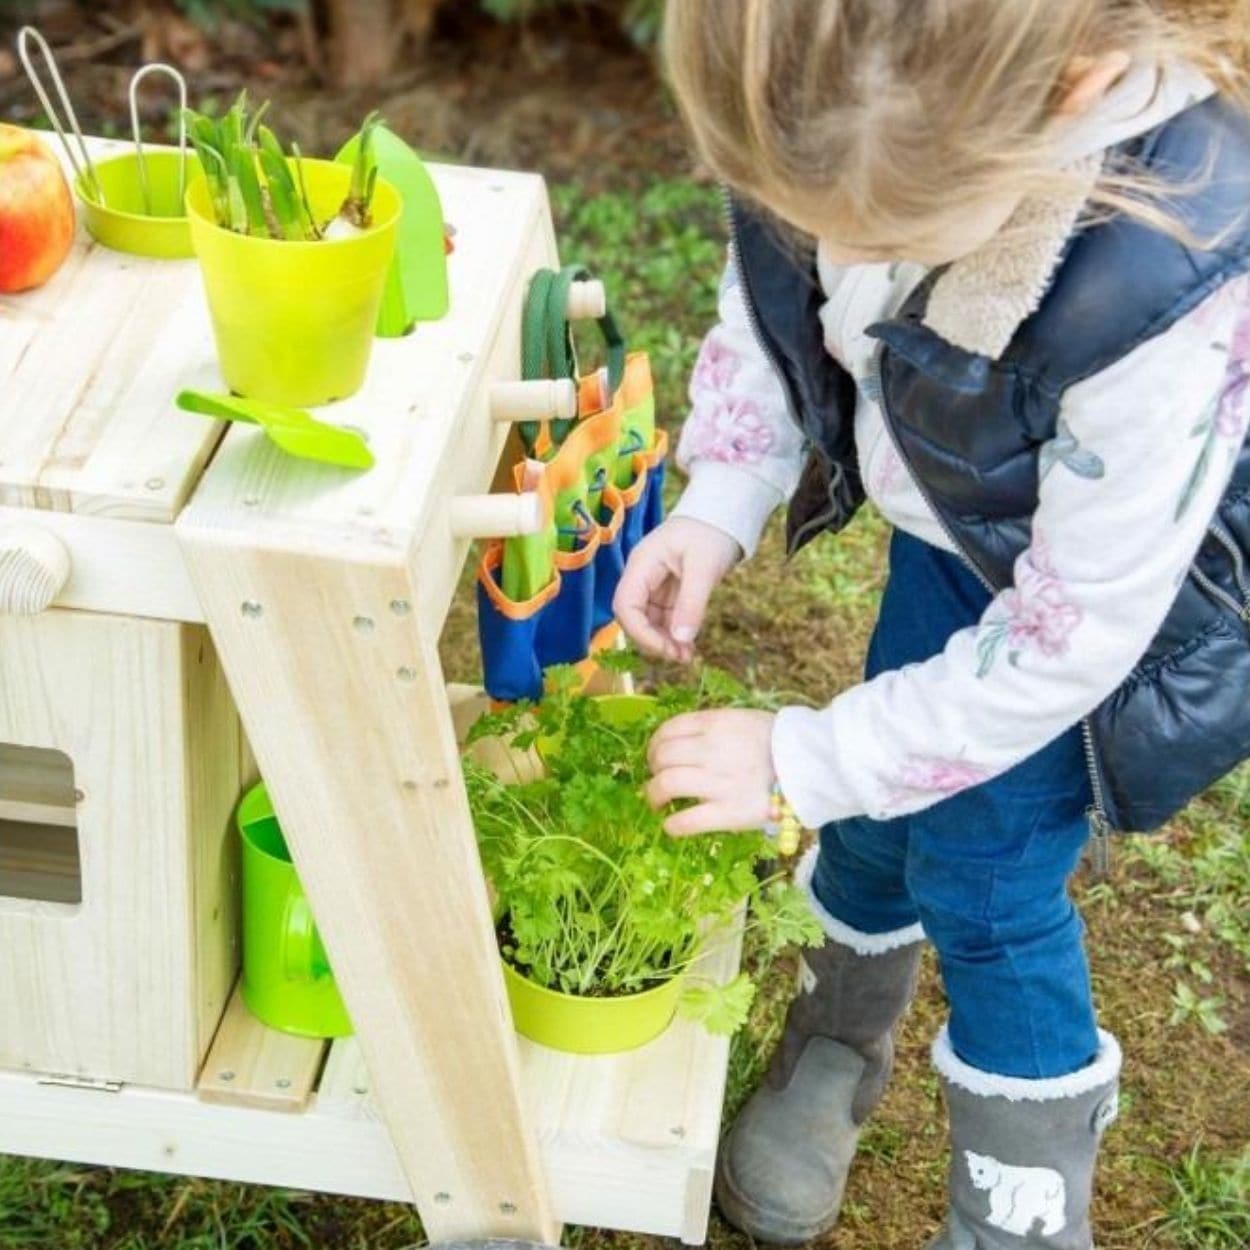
{"x":633,"y":607}
{"x":684,"y":783}
{"x":711,"y":817}
{"x":685,"y":725}
{"x":696,"y":750}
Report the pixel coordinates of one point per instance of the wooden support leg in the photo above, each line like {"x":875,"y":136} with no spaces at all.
{"x":344,"y":703}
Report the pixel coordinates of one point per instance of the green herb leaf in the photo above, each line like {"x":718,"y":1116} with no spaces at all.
{"x":721,"y":1009}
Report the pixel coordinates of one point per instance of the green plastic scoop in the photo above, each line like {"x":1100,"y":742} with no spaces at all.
{"x":416,"y":285}
{"x":295,"y":431}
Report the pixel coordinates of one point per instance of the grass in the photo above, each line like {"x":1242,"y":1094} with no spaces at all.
{"x":1210,"y":1207}
{"x":1175,"y":912}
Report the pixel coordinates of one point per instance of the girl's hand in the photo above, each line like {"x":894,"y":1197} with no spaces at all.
{"x":724,"y":760}
{"x":663,"y":594}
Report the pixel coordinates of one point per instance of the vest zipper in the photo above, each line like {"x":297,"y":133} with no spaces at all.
{"x":1096,"y":815}
{"x":1220,"y":595}
{"x":1225,"y":539}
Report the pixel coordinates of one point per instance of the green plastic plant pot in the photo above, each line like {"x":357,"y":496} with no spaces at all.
{"x":294,"y":321}
{"x":617,"y":709}
{"x":123,"y":222}
{"x":287,"y":981}
{"x":589,"y":1026}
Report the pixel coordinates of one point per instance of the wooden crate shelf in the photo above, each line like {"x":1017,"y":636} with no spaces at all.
{"x":627,"y":1141}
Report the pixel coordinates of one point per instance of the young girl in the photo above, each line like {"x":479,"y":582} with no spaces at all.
{"x":1023,"y":331}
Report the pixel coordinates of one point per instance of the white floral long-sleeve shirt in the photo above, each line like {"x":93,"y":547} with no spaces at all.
{"x":1142,"y":454}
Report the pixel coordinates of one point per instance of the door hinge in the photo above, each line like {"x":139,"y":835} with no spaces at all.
{"x":83,"y":1082}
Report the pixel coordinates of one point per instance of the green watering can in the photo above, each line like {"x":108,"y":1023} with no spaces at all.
{"x":287,"y":981}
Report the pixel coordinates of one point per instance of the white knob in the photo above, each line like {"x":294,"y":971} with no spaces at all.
{"x":587,"y":301}
{"x":34,"y":567}
{"x":496,"y":516}
{"x":543,"y":399}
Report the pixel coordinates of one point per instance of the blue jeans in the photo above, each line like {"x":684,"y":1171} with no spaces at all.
{"x":985,"y":872}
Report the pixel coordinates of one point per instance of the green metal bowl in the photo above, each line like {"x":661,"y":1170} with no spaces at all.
{"x":123,"y":222}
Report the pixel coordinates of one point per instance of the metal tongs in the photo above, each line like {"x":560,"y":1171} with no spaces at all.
{"x":81,"y":162}
{"x":85,"y":170}
{"x":159,"y":67}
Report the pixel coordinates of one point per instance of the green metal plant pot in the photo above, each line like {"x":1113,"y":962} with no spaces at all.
{"x":589,"y":1026}
{"x":287,"y":981}
{"x":593,"y":1026}
{"x":154,"y":225}
{"x":294,"y":321}
{"x":617,"y":710}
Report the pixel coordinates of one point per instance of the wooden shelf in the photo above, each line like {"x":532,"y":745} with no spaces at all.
{"x":628,"y":1141}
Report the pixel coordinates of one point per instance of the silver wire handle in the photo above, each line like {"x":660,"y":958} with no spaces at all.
{"x":136,"y":130}
{"x":84,"y":170}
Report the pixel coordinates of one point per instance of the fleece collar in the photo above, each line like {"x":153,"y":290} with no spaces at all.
{"x":979,"y":302}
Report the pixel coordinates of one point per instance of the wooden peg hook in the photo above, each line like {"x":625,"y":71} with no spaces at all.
{"x":545,"y":399}
{"x":34,"y":567}
{"x":588,"y":301}
{"x":496,"y":516}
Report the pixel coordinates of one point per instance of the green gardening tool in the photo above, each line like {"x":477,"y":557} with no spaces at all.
{"x":529,"y":559}
{"x":295,"y":431}
{"x":416,"y":285}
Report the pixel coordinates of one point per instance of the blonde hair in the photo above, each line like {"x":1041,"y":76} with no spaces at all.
{"x":867,"y":117}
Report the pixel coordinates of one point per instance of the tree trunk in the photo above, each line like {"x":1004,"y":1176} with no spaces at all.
{"x":365,"y":38}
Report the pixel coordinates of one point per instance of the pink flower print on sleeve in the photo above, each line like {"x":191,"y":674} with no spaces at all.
{"x":717,"y":366}
{"x":1036,"y":614}
{"x":929,"y":776}
{"x":1224,"y":419}
{"x":727,"y":429}
{"x":886,"y":474}
{"x":1230,"y":415}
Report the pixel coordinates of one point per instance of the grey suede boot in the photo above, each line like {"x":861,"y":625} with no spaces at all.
{"x":1023,"y":1153}
{"x":783,"y":1165}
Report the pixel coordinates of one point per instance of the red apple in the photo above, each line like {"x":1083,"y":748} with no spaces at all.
{"x":36,"y":211}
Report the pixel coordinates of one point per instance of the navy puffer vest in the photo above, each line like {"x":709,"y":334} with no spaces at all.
{"x":971,"y":430}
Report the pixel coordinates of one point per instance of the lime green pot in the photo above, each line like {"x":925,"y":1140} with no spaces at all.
{"x":589,"y":1026}
{"x":294,"y":321}
{"x":153,"y":225}
{"x":592,"y":1026}
{"x":617,"y":710}
{"x":287,"y":981}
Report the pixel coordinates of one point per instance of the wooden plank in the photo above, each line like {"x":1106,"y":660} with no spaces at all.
{"x":89,"y":365}
{"x":109,"y":989}
{"x":166,"y":1131}
{"x":217,"y":767}
{"x":306,"y":577}
{"x":345,"y":1089}
{"x":251,"y":1065}
{"x":128,"y":568}
{"x":37,"y":814}
{"x":39,"y":862}
{"x":35,"y":776}
{"x":347,"y":713}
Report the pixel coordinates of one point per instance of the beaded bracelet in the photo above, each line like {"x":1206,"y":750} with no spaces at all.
{"x":783,"y":825}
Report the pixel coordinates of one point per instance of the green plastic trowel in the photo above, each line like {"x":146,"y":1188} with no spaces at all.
{"x":295,"y":431}
{"x":416,"y":285}
{"x":529,"y":559}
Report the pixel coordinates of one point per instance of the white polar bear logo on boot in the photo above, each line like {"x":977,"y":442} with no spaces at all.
{"x":1020,"y":1197}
